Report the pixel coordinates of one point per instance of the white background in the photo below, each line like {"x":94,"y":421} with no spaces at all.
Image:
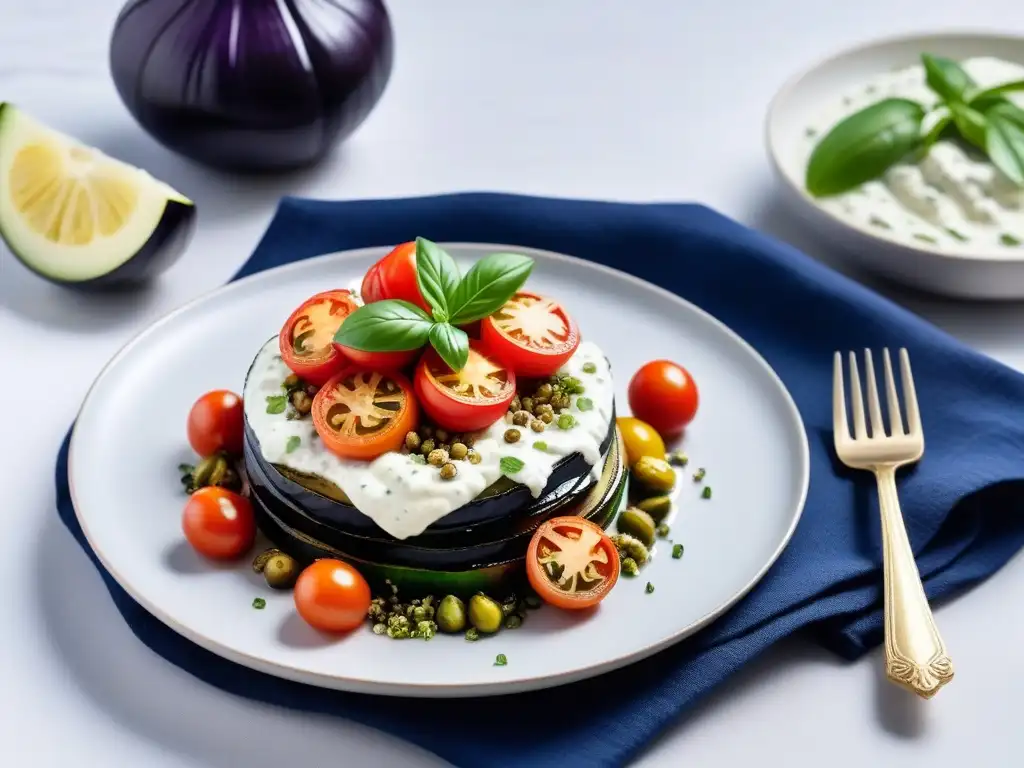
{"x":642,"y":100}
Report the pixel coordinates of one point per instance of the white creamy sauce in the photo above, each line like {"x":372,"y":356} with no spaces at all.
{"x":954,"y":198}
{"x":404,"y":497}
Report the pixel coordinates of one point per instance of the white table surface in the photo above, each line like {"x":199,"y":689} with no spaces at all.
{"x":653,"y":100}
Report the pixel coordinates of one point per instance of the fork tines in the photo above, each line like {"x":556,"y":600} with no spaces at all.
{"x":860,"y":427}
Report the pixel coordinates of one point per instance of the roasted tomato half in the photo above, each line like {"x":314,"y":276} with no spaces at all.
{"x":361,"y":414}
{"x":466,"y":400}
{"x":532,"y":335}
{"x":571,"y":563}
{"x":307,"y":338}
{"x":394,"y":277}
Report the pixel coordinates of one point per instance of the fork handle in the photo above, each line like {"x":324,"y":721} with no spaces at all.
{"x":915,"y":656}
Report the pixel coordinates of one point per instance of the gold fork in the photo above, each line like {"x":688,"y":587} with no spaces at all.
{"x":915,"y":656}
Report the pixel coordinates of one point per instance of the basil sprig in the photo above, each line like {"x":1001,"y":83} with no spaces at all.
{"x":392,"y":325}
{"x":863,"y":146}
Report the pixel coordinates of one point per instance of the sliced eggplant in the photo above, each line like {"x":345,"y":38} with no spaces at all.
{"x":78,"y":217}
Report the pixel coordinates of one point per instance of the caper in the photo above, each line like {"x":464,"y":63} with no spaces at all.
{"x":451,"y":614}
{"x":512,"y":435}
{"x":543,"y":408}
{"x":521,"y":418}
{"x":655,"y":474}
{"x":544,"y":390}
{"x":472,"y":634}
{"x":438,"y":457}
{"x":516,"y":404}
{"x":449,"y":471}
{"x":657,"y":507}
{"x":485,"y":614}
{"x":514,"y":621}
{"x":427,"y":446}
{"x":440,"y":435}
{"x":290,"y":381}
{"x":281,"y":571}
{"x":637,"y":524}
{"x":302,"y":402}
{"x":629,"y":567}
{"x":260,"y":561}
{"x":528,"y":404}
{"x":537,"y":425}
{"x":412,"y":441}
{"x":458,"y":451}
{"x":473,"y":457}
{"x":547,"y":417}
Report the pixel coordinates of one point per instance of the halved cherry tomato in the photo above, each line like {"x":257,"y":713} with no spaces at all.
{"x":307,"y":337}
{"x":332,"y":596}
{"x":571,"y":563}
{"x":394,"y":277}
{"x":378,"y":361}
{"x":532,"y":335}
{"x":663,"y":394}
{"x":219,"y":523}
{"x":361,"y":414}
{"x":215,"y":423}
{"x":467,"y":400}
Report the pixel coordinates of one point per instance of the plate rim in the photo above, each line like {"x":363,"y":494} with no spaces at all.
{"x":447,"y":690}
{"x":773,"y":139}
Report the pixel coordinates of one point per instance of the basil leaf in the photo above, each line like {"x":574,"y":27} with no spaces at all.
{"x":488,"y":285}
{"x":946,"y":77}
{"x":863,"y":146}
{"x":293,"y":442}
{"x":385,"y":326}
{"x":436,"y":275}
{"x":936,"y":131}
{"x":451,"y":343}
{"x":1004,"y":143}
{"x":276,"y":403}
{"x":1007,"y":110}
{"x":970,"y":123}
{"x":998,"y":90}
{"x":509,"y":465}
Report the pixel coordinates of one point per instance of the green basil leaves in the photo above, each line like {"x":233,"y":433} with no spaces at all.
{"x":863,"y":146}
{"x":395,"y":326}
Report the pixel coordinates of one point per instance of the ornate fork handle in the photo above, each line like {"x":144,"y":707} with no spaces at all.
{"x":915,"y":656}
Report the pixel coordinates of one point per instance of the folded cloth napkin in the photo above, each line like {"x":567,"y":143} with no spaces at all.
{"x":962,"y":503}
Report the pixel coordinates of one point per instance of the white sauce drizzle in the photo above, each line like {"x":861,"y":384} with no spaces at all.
{"x":404,"y":497}
{"x":953,"y":199}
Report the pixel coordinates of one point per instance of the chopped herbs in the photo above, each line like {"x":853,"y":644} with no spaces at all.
{"x":472,"y":634}
{"x":566,"y":421}
{"x":590,"y":367}
{"x":699,"y":475}
{"x":649,"y":588}
{"x":925,"y":238}
{"x":277,"y":403}
{"x":510,"y":465}
{"x":677,"y":551}
{"x":540,"y":445}
{"x":706,"y":493}
{"x":678,"y":459}
{"x":584,"y":404}
{"x":1008,"y":239}
{"x":956,"y":235}
{"x":501,"y":660}
{"x":259,"y":603}
{"x":874,"y":221}
{"x":292,"y":444}
{"x":662,"y":531}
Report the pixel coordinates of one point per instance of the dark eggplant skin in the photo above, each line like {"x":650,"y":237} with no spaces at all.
{"x":346,"y":518}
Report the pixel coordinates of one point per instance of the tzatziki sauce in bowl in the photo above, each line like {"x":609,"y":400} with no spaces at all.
{"x":943,"y":217}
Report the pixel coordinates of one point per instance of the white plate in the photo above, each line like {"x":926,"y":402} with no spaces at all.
{"x":960,"y":271}
{"x":130,"y":436}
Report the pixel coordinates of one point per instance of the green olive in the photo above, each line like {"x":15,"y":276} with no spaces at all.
{"x":485,"y":614}
{"x":657,"y":507}
{"x":260,"y":561}
{"x":637,"y":524}
{"x":281,"y":571}
{"x":655,"y":474}
{"x":451,"y":614}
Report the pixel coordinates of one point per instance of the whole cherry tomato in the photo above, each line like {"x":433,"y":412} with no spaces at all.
{"x":332,"y":596}
{"x":219,"y":523}
{"x":394,"y":277}
{"x":215,"y":423}
{"x":663,"y":394}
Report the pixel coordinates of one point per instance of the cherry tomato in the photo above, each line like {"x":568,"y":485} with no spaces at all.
{"x":532,"y":335}
{"x":332,"y":596}
{"x":361,"y":414}
{"x":394,"y":277}
{"x":663,"y":394}
{"x":307,"y":337}
{"x":640,"y":439}
{"x":467,"y":400}
{"x":378,"y":361}
{"x":571,"y":563}
{"x":215,"y":423}
{"x":219,"y":523}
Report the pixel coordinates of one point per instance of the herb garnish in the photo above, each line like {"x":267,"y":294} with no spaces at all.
{"x":866,"y":144}
{"x":584,"y":403}
{"x":649,"y":588}
{"x":501,"y":660}
{"x":590,"y":368}
{"x":277,"y":403}
{"x":1008,"y":239}
{"x":706,"y":493}
{"x":259,"y":603}
{"x":677,"y":551}
{"x":540,"y":445}
{"x":292,"y":444}
{"x":396,"y":326}
{"x":509,"y":465}
{"x":699,"y":475}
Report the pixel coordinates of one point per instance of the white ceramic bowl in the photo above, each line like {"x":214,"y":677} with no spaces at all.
{"x":963,"y":271}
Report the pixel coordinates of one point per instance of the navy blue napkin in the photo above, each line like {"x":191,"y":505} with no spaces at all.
{"x":962,"y":503}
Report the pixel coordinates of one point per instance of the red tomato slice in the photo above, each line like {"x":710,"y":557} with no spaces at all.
{"x":467,"y":400}
{"x":361,"y":414}
{"x":378,"y":361}
{"x":394,"y":277}
{"x":571,"y":563}
{"x":532,"y":335}
{"x":307,"y":337}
